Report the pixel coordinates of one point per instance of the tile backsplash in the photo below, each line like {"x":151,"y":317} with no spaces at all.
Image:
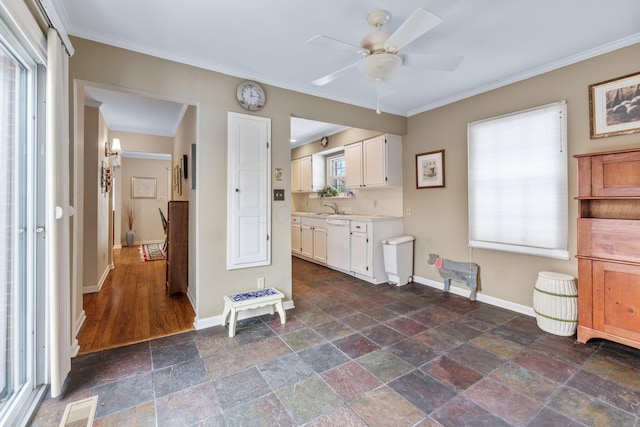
{"x":381,"y":201}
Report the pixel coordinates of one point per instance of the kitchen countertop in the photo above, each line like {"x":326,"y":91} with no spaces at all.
{"x":360,"y":217}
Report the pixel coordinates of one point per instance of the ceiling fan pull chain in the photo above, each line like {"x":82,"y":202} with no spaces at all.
{"x":378,"y":80}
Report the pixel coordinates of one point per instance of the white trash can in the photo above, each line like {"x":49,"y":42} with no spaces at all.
{"x":398,"y":259}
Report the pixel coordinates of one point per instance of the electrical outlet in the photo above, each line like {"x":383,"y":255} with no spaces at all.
{"x":278,"y":194}
{"x":260,"y":282}
{"x":408,"y":211}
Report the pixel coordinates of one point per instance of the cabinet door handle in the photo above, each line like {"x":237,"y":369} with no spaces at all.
{"x":237,"y":190}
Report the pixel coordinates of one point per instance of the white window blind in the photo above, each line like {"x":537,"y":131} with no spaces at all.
{"x":518,"y":182}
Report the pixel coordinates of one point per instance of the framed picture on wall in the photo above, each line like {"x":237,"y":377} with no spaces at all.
{"x":143,"y":188}
{"x":185,"y":166}
{"x":614,"y":106}
{"x":430,"y":169}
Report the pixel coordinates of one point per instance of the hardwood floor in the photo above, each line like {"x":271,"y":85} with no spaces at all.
{"x":132,"y":306}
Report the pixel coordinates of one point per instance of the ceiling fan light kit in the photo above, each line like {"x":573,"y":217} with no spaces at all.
{"x":380,"y":66}
{"x":379,"y":50}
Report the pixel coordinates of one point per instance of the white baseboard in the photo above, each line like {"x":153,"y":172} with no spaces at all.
{"x":117,"y":246}
{"x":138,"y":243}
{"x":75,"y":346}
{"x":244,"y":314}
{"x":96,"y":288}
{"x":518,"y":308}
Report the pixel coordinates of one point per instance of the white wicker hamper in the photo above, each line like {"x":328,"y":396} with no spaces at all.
{"x":555,"y":302}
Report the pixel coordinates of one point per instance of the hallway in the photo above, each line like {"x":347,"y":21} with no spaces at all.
{"x":132,"y":305}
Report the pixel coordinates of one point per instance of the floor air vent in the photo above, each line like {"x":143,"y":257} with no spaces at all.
{"x":80,"y":413}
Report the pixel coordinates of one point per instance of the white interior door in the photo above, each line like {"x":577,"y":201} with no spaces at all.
{"x":249,"y":205}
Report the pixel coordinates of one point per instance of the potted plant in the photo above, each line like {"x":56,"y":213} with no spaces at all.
{"x":130,"y":210}
{"x":328,"y":191}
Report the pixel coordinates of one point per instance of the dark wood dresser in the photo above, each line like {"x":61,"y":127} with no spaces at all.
{"x":177,"y":273}
{"x":609,"y":246}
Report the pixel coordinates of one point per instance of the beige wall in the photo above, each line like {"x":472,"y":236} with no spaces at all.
{"x":142,"y":144}
{"x":147,"y":223}
{"x":439,"y":215}
{"x":96,"y":256}
{"x":214,"y":95}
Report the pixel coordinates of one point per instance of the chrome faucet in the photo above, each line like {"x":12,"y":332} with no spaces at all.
{"x":331,"y":205}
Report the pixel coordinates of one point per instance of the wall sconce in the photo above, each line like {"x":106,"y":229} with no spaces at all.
{"x":112,"y":149}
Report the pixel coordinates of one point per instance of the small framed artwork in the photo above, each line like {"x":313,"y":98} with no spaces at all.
{"x":430,"y":169}
{"x":178,"y":179}
{"x":185,"y":166}
{"x":143,"y":188}
{"x":614,"y":106}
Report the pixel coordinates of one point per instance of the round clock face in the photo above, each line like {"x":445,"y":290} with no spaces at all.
{"x":324,"y":141}
{"x":250,"y":95}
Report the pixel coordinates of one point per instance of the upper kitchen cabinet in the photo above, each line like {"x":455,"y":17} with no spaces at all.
{"x":374,"y":162}
{"x":307,"y":174}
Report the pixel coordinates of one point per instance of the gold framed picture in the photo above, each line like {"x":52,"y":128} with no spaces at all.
{"x":614,"y":106}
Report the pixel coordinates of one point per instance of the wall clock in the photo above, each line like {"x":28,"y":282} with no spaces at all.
{"x":250,"y":95}
{"x":324,"y":141}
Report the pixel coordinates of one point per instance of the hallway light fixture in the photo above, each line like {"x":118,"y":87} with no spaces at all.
{"x":112,"y":149}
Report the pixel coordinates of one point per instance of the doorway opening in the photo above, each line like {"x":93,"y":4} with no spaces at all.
{"x":120,"y":294}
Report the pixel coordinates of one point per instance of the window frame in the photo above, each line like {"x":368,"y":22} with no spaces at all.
{"x":506,"y":224}
{"x":330,"y":178}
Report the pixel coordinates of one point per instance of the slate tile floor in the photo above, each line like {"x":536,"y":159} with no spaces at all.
{"x":355,"y":354}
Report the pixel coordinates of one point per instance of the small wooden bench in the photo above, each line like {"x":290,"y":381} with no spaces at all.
{"x":249,"y":300}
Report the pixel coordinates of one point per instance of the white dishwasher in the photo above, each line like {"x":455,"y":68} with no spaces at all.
{"x":338,"y":246}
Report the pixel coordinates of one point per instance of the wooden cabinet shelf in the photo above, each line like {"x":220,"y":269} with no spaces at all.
{"x":609,"y":246}
{"x":177,"y":271}
{"x":605,"y":208}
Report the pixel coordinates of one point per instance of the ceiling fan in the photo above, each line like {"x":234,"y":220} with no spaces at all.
{"x":379,"y":51}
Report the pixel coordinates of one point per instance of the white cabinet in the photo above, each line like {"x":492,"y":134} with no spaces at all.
{"x":320,"y":244}
{"x":307,"y":174}
{"x":367,"y":261}
{"x":313,"y":239}
{"x":353,"y":165}
{"x":306,"y":238}
{"x":360,"y":248}
{"x":374,"y":162}
{"x":296,"y":236}
{"x":295,"y":176}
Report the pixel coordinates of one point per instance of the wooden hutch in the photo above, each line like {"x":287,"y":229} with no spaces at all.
{"x":177,"y":272}
{"x":609,"y":246}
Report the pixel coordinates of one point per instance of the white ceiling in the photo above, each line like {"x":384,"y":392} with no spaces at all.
{"x":304,"y":130}
{"x":129,"y":112}
{"x":502,"y":41}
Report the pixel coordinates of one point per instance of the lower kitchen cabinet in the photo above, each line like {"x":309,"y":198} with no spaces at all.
{"x":365,"y":255}
{"x":296,"y":235}
{"x":313,"y":239}
{"x":367,"y":261}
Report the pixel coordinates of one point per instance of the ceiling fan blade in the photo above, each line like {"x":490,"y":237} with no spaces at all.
{"x":436,"y":62}
{"x":333,"y":76}
{"x":418,"y":23}
{"x":331,"y":43}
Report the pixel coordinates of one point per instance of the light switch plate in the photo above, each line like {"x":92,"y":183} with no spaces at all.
{"x":278,"y":195}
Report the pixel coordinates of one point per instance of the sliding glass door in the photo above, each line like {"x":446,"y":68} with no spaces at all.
{"x":21,"y":237}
